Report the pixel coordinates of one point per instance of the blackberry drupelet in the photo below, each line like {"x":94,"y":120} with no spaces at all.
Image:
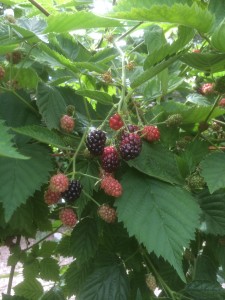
{"x":96,"y":142}
{"x":73,"y":192}
{"x":110,"y":159}
{"x":130,"y":146}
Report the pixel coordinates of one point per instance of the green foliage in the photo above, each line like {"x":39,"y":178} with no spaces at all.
{"x":153,"y":163}
{"x":152,"y":60}
{"x":108,"y":281}
{"x":151,"y":210}
{"x":84,"y":242}
{"x":213,"y":171}
{"x":51,"y":105}
{"x":29,"y":288}
{"x":182,"y":14}
{"x":21,"y":178}
{"x":49,"y":269}
{"x":65,"y":22}
{"x":6,"y":146}
{"x":42,"y":135}
{"x":213,"y":207}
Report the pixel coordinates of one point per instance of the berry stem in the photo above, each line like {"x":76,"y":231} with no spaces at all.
{"x":212,"y":109}
{"x":107,"y":118}
{"x":22,"y":99}
{"x":123,"y":77}
{"x":12,"y":270}
{"x":87,"y":175}
{"x":92,"y":199}
{"x":44,"y":238}
{"x":76,"y":153}
{"x":162,"y":282}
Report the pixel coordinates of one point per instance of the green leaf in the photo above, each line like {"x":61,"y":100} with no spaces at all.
{"x":198,"y":114}
{"x":6,"y":146}
{"x":194,"y":153}
{"x":54,"y":294}
{"x":28,"y":78}
{"x":108,"y":282}
{"x":150,"y":73}
{"x":63,"y":247}
{"x":42,"y":134}
{"x":217,"y":37}
{"x":151,"y":211}
{"x":153,"y":163}
{"x":101,"y":97}
{"x":184,"y":36}
{"x":65,"y":22}
{"x":84,"y":241}
{"x":20,"y":178}
{"x":217,"y":9}
{"x":75,"y":277}
{"x":49,"y":269}
{"x":31,"y":269}
{"x":205,"y":290}
{"x":47,"y":248}
{"x":181,"y":14}
{"x":29,"y":288}
{"x":154,"y":38}
{"x":51,"y":105}
{"x":213,"y":207}
{"x":213,"y":171}
{"x":206,"y":268}
{"x":205,"y":62}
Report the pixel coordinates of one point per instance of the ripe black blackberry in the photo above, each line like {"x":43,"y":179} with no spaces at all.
{"x":73,"y":192}
{"x":110,"y":159}
{"x":96,"y":142}
{"x":130,"y":146}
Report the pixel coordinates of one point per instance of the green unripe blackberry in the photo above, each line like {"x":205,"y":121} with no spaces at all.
{"x":174,"y":120}
{"x":195,"y":182}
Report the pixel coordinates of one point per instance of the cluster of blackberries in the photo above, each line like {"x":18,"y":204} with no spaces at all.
{"x":61,"y":187}
{"x":129,"y":146}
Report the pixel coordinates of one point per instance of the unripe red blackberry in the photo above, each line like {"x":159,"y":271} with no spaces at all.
{"x":111,"y":186}
{"x":222,"y":102}
{"x":67,"y":123}
{"x":207,"y":88}
{"x":14,"y":57}
{"x":110,"y":159}
{"x":107,"y":213}
{"x":151,"y":133}
{"x":2,"y":72}
{"x":96,"y":142}
{"x":59,"y":183}
{"x":151,"y":282}
{"x":51,"y":197}
{"x":116,"y":122}
{"x":68,"y":217}
{"x":130,"y":146}
{"x":73,"y":192}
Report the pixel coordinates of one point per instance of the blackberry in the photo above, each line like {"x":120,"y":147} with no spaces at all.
{"x":130,"y":146}
{"x":96,"y":142}
{"x":110,"y":159}
{"x":73,"y":191}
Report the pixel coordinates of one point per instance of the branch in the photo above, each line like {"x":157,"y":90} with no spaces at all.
{"x":39,"y":7}
{"x":11,"y":275}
